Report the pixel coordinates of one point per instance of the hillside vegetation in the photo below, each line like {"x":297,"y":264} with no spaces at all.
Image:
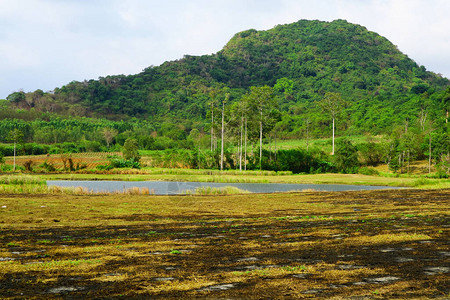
{"x":174,"y":105}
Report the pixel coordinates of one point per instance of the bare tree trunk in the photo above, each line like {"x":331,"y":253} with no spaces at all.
{"x":332,"y":151}
{"x":14,"y":168}
{"x":212,"y":127}
{"x":429,"y":156}
{"x":240,"y":149}
{"x":260,"y":142}
{"x":245,"y":152}
{"x":270,"y":147}
{"x":221,"y":150}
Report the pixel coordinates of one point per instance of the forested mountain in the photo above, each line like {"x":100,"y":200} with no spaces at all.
{"x":304,"y":60}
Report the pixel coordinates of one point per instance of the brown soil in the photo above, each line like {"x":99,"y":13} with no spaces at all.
{"x":351,"y":245}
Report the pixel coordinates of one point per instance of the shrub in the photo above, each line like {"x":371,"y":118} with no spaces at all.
{"x":368,"y":171}
{"x":346,"y":156}
{"x":293,"y":160}
{"x":48,"y":166}
{"x":124,"y":163}
{"x":104,"y":167}
{"x":131,"y":150}
{"x":28,"y":165}
{"x":371,"y":153}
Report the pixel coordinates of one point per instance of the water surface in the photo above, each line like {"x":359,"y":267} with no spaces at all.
{"x":179,"y":187}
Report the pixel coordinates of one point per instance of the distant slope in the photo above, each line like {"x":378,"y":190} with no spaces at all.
{"x":382,"y":84}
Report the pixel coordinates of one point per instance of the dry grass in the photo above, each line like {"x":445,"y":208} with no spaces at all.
{"x":375,"y":244}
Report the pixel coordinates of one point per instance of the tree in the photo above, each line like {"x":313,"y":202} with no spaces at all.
{"x":16,"y":97}
{"x":195,"y":137}
{"x":238,"y":129}
{"x":264,"y":106}
{"x":16,"y":136}
{"x":130,"y":150}
{"x":109,"y":134}
{"x":212,"y":104}
{"x":284,"y":86}
{"x":409,"y":145}
{"x":346,"y":158}
{"x":224,"y":101}
{"x":333,"y":104}
{"x":446,"y":103}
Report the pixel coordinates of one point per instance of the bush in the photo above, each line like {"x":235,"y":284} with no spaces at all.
{"x":294,"y":160}
{"x":440,"y":174}
{"x":131,"y":150}
{"x":124,"y":163}
{"x":346,"y":157}
{"x":371,"y":153}
{"x":48,"y":166}
{"x":104,"y":167}
{"x":368,"y":171}
{"x":6,"y":168}
{"x":7,"y":150}
{"x":92,"y":146}
{"x":28,"y":165}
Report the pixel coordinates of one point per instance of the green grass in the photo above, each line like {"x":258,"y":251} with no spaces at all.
{"x":35,"y":184}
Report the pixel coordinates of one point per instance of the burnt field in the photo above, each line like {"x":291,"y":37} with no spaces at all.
{"x":356,"y":245}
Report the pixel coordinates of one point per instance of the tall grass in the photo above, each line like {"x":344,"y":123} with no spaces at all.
{"x":84,"y":191}
{"x":23,"y":189}
{"x":21,"y":179}
{"x":226,"y":190}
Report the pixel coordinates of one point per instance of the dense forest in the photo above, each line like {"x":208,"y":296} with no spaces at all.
{"x":262,"y":85}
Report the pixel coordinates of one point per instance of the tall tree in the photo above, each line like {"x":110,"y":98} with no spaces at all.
{"x":130,"y":150}
{"x":224,"y":101}
{"x":212,"y":103}
{"x":333,"y":104}
{"x":16,"y":136}
{"x":109,"y":134}
{"x":264,"y":105}
{"x":446,"y":103}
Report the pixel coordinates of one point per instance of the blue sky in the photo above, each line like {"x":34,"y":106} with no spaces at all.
{"x":47,"y":43}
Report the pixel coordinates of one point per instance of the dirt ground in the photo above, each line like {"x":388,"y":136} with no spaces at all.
{"x":344,"y":245}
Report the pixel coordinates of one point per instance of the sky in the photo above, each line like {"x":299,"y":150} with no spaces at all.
{"x":46,"y":44}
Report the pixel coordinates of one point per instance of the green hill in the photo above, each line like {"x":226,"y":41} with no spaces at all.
{"x":383,"y":87}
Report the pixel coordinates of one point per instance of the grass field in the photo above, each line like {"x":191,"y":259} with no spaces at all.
{"x":356,"y":245}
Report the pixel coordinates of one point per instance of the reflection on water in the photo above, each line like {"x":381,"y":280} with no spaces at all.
{"x":179,"y":187}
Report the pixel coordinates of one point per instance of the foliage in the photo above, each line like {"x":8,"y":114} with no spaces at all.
{"x":372,"y":153}
{"x":28,"y":165}
{"x":293,"y":68}
{"x":125,"y":163}
{"x":303,"y":61}
{"x":294,"y":160}
{"x":346,"y":157}
{"x":49,"y":167}
{"x":368,"y":171}
{"x":130,"y":150}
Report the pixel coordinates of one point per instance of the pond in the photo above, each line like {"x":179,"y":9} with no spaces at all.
{"x":178,"y":187}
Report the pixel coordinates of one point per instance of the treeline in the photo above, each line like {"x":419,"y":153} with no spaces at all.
{"x":382,"y":84}
{"x":262,"y":87}
{"x":398,"y":152}
{"x":254,"y":121}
